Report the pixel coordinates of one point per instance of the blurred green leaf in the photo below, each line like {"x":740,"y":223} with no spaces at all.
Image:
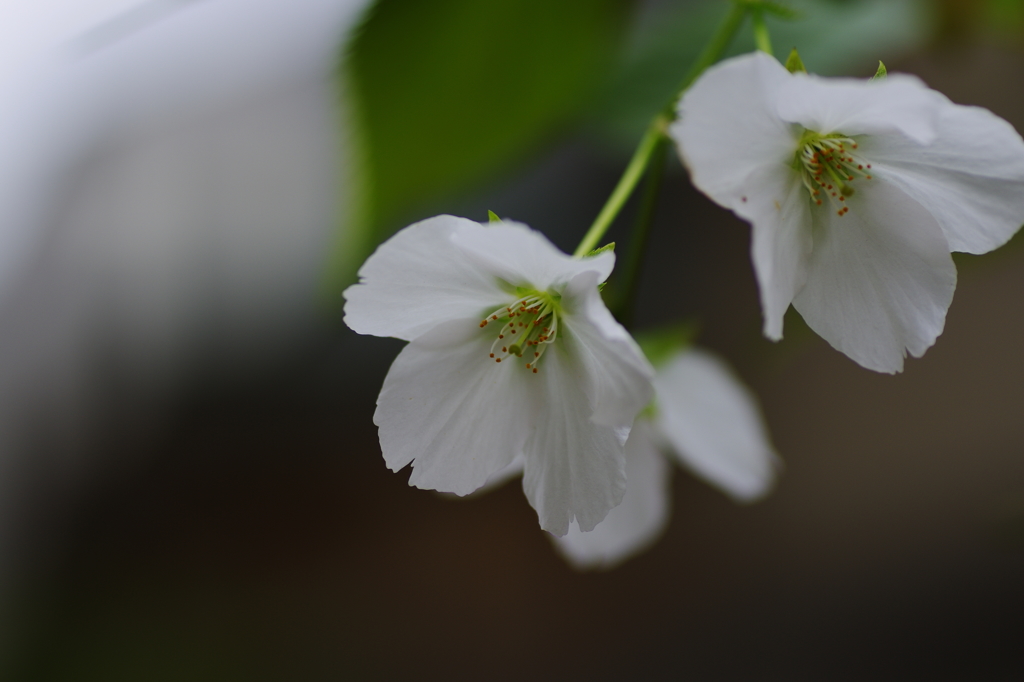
{"x":881,"y":72}
{"x":449,"y":91}
{"x":662,"y":343}
{"x":1005,"y":17}
{"x":833,"y":38}
{"x":780,"y":10}
{"x":492,"y":217}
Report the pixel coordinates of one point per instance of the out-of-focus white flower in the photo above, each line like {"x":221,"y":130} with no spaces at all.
{"x":711,"y":424}
{"x":170,"y":178}
{"x":84,"y":84}
{"x":857,"y":192}
{"x":511,"y":352}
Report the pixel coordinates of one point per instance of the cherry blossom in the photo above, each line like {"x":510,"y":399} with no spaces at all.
{"x":857,"y":192}
{"x":708,"y":422}
{"x":511,"y":353}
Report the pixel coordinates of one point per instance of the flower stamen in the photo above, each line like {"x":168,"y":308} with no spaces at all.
{"x":828,"y":166}
{"x":524,"y":319}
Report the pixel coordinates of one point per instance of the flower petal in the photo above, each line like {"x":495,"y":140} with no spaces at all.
{"x":417,"y":279}
{"x":714,"y":425}
{"x":728,"y":126}
{"x":617,"y":372}
{"x":777,"y":205}
{"x":880,"y":278}
{"x":897,"y":103}
{"x":574,"y":467}
{"x":636,"y":523}
{"x":452,"y":411}
{"x":500,"y":478}
{"x":971,"y":178}
{"x":524,"y":257}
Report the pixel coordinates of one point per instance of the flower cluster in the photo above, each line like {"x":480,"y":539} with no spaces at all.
{"x":857,"y":193}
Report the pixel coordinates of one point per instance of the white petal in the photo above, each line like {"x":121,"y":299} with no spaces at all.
{"x":617,"y":371}
{"x":714,"y":425}
{"x":636,"y":523}
{"x":574,"y":467}
{"x":897,"y":103}
{"x":728,"y":126}
{"x":524,"y":257}
{"x":880,"y":278}
{"x":456,"y":414}
{"x":971,"y":177}
{"x":417,"y":278}
{"x":777,"y":205}
{"x":494,"y":481}
{"x":500,"y":478}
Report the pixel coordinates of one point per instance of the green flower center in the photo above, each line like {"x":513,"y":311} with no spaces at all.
{"x":529,"y":326}
{"x":828,"y":166}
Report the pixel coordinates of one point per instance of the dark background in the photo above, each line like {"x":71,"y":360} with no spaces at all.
{"x":244,"y":527}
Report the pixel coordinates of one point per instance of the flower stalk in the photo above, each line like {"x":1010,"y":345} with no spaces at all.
{"x":656,"y":134}
{"x":654,"y":137}
{"x":761,"y":38}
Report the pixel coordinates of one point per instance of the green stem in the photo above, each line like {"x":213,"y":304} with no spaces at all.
{"x":634,"y":171}
{"x":656,"y":131}
{"x":761,"y":38}
{"x":625,"y":293}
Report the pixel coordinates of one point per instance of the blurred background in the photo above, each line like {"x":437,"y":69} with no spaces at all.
{"x":190,"y":482}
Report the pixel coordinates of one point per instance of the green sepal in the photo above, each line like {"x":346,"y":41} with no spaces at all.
{"x":492,"y":217}
{"x":881,"y":73}
{"x":610,"y":246}
{"x":794,"y":64}
{"x":660,"y":345}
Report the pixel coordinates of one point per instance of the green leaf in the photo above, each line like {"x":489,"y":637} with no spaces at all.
{"x":610,"y":246}
{"x":1002,"y":17}
{"x":660,"y":345}
{"x":668,"y":38}
{"x":492,"y":217}
{"x":448,"y":92}
{"x":794,"y":64}
{"x":781,"y":11}
{"x":881,"y":73}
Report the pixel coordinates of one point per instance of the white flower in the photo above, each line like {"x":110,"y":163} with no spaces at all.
{"x":710,"y":422}
{"x":511,"y":353}
{"x":857,"y":191}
